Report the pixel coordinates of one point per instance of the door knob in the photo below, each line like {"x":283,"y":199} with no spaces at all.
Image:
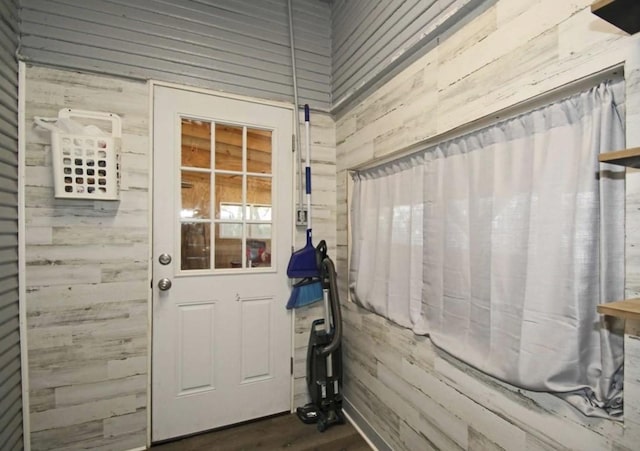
{"x":164,"y":284}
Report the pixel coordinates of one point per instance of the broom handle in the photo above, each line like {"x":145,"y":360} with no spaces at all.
{"x":296,"y":111}
{"x":307,"y":168}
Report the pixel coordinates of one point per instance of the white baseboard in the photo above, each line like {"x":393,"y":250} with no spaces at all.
{"x":360,"y":431}
{"x":363,"y":427}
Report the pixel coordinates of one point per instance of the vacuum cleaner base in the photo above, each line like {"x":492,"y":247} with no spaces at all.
{"x":309,"y":414}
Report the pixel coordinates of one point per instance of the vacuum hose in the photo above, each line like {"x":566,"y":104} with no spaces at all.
{"x":328,"y":271}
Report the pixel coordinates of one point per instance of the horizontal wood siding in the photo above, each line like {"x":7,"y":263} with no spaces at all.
{"x":10,"y":369}
{"x":237,"y":46}
{"x":87,"y":276}
{"x":370,"y":38}
{"x":414,"y":395}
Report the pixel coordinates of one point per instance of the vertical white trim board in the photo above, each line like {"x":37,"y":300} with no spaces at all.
{"x":151,"y":86}
{"x":24,"y":361}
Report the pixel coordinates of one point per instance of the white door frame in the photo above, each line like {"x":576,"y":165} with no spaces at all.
{"x":152,"y":85}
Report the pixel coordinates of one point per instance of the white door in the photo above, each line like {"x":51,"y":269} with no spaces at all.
{"x":222,"y":222}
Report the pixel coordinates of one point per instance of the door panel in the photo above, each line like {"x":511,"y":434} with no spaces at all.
{"x":196,"y":347}
{"x":222,"y":212}
{"x":256,"y":339}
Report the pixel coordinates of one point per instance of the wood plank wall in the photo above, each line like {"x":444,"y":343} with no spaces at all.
{"x":87,"y":273}
{"x":410,"y":393}
{"x":87,"y":280}
{"x":10,"y":365}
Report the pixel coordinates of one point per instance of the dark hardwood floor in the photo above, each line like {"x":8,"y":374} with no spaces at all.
{"x":281,"y":432}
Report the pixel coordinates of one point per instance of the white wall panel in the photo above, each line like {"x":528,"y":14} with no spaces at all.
{"x":410,"y":393}
{"x":87,"y":277}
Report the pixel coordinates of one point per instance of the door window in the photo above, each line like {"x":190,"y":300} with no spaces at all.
{"x":226,"y":169}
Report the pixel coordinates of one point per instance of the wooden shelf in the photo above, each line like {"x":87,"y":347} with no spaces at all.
{"x":626,"y":157}
{"x":627,"y":309}
{"x":624,"y":14}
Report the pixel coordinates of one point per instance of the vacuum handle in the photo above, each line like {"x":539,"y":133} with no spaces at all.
{"x":321,"y":254}
{"x":329,"y":271}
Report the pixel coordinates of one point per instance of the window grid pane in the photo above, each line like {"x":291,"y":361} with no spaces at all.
{"x":216,"y":188}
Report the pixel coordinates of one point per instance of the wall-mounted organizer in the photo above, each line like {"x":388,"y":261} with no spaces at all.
{"x":86,"y":159}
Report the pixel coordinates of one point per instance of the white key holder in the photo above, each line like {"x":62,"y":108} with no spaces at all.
{"x":86,"y":160}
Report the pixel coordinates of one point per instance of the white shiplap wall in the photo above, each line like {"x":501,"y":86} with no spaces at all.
{"x":87,"y":273}
{"x":413,"y":395}
{"x":88,"y":388}
{"x":10,"y":376}
{"x":87,"y":277}
{"x":237,"y":46}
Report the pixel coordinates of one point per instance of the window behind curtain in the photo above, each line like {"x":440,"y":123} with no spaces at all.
{"x":386,"y":260}
{"x":522,"y":236}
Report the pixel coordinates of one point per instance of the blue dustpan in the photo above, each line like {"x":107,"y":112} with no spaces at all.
{"x":303,"y":261}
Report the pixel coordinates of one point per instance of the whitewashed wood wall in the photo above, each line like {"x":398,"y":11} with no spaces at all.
{"x":87,"y":277}
{"x":87,"y":273}
{"x":87,"y":262}
{"x":410,"y":393}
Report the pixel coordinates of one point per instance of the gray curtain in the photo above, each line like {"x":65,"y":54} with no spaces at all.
{"x":523,"y":236}
{"x":387,"y":253}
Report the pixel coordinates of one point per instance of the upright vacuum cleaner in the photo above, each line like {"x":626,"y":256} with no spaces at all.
{"x":324,"y":356}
